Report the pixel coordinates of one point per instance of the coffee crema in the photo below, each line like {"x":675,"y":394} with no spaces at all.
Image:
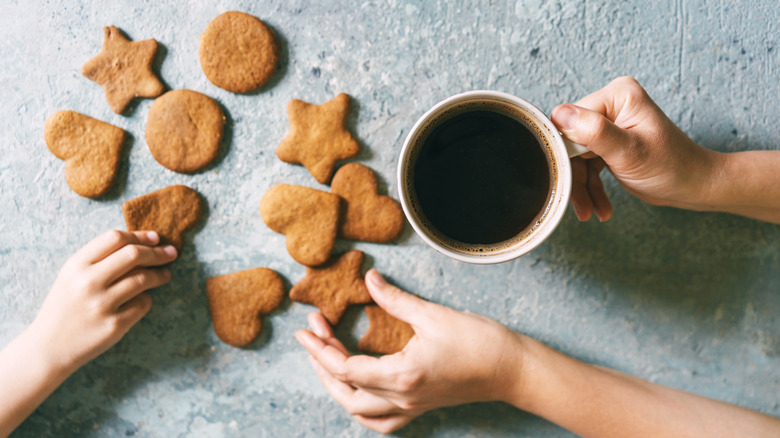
{"x":480,"y":177}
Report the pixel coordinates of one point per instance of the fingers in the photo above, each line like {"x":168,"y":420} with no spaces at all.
{"x":402,"y":305}
{"x":131,"y":256}
{"x":132,"y":311}
{"x":580,"y":197}
{"x":601,"y":204}
{"x":363,"y":371}
{"x":356,"y":401}
{"x":592,"y":130}
{"x":110,"y":241}
{"x":385,"y":425}
{"x":587,"y":191}
{"x":321,"y":328}
{"x":135,"y":282}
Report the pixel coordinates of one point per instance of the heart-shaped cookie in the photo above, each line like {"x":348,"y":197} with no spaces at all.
{"x":91,"y":150}
{"x":169,"y":211}
{"x":238,"y":300}
{"x":307,"y":217}
{"x":366,"y":215}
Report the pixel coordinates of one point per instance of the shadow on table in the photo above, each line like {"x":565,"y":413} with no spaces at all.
{"x":172,"y":339}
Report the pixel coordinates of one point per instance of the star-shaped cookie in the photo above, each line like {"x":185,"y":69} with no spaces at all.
{"x":124,"y":69}
{"x":386,"y":334}
{"x":318,"y":136}
{"x":333,"y":286}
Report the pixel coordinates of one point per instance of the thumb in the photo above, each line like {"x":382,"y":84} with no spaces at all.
{"x":592,"y":130}
{"x":400,"y":304}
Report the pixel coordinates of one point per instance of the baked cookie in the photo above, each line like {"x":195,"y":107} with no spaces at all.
{"x":91,"y":149}
{"x":318,"y":136}
{"x":184,"y":130}
{"x":366,"y":215}
{"x":333,"y":286}
{"x":169,"y":211}
{"x":124,"y":69}
{"x":307,"y":217}
{"x":386,"y":334}
{"x":238,"y":300}
{"x":238,"y":52}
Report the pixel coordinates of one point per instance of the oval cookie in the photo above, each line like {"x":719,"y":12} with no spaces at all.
{"x":238,"y":52}
{"x":184,"y":130}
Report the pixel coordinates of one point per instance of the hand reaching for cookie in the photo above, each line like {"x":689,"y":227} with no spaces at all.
{"x":386,"y":393}
{"x":456,"y":358}
{"x":656,"y":162}
{"x":97,"y":297}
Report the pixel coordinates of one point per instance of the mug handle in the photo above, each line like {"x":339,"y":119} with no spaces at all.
{"x":574,"y":149}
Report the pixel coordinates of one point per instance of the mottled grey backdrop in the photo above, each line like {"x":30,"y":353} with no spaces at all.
{"x":685,"y":299}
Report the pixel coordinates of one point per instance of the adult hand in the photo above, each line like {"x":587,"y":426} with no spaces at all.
{"x":647,"y":153}
{"x":453,"y":358}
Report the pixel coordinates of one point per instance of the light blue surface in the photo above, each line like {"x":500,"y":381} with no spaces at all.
{"x":685,"y":299}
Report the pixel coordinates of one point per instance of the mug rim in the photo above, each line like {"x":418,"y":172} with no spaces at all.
{"x":559,"y":198}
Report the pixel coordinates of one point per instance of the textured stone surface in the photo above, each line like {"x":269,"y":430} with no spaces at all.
{"x":684,"y":299}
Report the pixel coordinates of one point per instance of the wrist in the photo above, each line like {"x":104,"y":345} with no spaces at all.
{"x":40,"y":349}
{"x":517,"y":387}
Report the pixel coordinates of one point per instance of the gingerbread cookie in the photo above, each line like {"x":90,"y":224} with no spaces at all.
{"x":184,"y":130}
{"x":169,"y":211}
{"x":238,"y":52}
{"x":307,"y":217}
{"x":91,"y":149}
{"x":318,"y":136}
{"x":333,"y":286}
{"x":124,"y":69}
{"x":366,"y":215}
{"x":238,"y":300}
{"x":386,"y":334}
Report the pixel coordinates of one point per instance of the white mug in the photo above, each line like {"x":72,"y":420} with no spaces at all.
{"x":558,"y":150}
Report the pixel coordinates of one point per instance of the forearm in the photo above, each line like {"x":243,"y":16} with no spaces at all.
{"x":747,"y":184}
{"x":27,"y":377}
{"x":596,"y":402}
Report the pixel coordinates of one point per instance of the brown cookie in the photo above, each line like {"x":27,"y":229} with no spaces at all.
{"x":91,"y":150}
{"x":386,"y":334}
{"x":184,"y":130}
{"x":307,"y":217}
{"x":238,"y":300}
{"x":124,"y":69}
{"x":333,"y":286}
{"x":238,"y":52}
{"x":169,"y":211}
{"x":366,"y":215}
{"x":318,"y":136}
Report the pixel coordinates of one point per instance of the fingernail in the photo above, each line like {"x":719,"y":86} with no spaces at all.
{"x":152,"y":235}
{"x":170,"y":250}
{"x":566,"y":116}
{"x":376,"y":278}
{"x":166,"y":273}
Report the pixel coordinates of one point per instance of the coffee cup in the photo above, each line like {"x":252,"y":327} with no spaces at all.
{"x":484,"y":177}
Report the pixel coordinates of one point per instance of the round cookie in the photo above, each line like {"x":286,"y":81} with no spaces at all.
{"x":238,"y":52}
{"x":184,"y":130}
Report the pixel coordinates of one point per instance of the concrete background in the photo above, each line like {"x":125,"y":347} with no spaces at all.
{"x":684,"y":299}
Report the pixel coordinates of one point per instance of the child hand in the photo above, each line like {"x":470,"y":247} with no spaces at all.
{"x":648,"y":154}
{"x":454,"y":358}
{"x":99,"y":294}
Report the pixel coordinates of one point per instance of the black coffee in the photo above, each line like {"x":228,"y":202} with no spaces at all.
{"x":481,"y":177}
